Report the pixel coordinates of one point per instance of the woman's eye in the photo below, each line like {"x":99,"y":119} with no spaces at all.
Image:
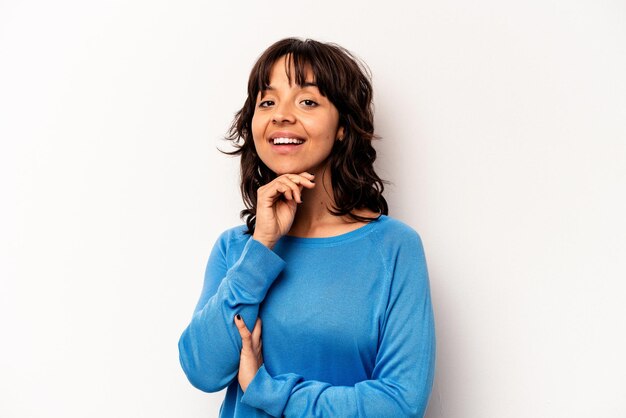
{"x":309,"y":103}
{"x":266,"y":103}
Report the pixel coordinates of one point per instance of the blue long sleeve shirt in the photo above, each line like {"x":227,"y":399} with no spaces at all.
{"x":348,"y":327}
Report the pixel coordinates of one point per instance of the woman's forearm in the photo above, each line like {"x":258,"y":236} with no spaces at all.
{"x":210,"y":345}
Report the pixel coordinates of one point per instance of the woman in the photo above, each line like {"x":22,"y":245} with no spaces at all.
{"x":320,"y":304}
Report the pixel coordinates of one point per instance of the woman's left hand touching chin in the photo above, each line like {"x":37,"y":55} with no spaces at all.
{"x":251,"y":357}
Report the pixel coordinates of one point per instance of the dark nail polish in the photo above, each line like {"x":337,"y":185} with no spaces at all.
{"x":238,"y":317}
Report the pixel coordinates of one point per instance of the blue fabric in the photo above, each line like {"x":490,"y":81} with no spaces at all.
{"x":348,"y":327}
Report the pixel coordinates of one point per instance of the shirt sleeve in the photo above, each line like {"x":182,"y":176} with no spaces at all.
{"x":402,"y":378}
{"x":210,"y":346}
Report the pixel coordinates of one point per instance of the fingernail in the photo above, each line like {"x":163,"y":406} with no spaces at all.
{"x":238,"y":317}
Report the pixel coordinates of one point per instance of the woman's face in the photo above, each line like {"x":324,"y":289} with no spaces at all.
{"x":294,"y":127}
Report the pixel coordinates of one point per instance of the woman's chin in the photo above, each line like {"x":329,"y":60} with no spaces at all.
{"x":279,"y":171}
{"x":297,"y":169}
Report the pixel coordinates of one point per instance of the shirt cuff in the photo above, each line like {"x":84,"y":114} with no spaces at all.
{"x":268,"y":393}
{"x":257,"y":268}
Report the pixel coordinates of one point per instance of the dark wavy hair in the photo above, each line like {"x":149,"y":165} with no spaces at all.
{"x":346,"y":82}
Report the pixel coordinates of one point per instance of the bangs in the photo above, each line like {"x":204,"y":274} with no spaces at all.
{"x":302,"y":58}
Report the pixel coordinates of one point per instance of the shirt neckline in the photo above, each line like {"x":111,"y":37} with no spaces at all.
{"x":336,"y":239}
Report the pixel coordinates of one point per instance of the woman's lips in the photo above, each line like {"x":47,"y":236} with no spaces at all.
{"x":285,"y":148}
{"x":284,"y":142}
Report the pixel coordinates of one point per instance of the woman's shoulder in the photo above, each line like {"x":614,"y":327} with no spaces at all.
{"x":234,"y":234}
{"x":393,"y":237}
{"x":396,"y":229}
{"x":230,"y":243}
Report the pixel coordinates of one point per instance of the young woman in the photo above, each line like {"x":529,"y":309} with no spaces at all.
{"x":320,"y":305}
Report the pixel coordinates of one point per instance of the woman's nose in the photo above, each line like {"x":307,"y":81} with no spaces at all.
{"x":283,"y":113}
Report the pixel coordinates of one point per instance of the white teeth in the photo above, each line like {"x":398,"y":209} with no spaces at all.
{"x":279,"y":141}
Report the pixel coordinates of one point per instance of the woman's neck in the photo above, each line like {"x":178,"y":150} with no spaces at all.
{"x":313,"y":218}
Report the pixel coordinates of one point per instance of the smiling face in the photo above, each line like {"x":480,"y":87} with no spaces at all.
{"x":294,"y":126}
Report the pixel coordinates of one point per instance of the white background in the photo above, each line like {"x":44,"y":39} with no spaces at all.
{"x":503,"y":128}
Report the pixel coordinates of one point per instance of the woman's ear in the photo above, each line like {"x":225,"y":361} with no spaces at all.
{"x":340,"y":133}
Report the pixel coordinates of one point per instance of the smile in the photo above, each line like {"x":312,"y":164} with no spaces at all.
{"x":287,"y":141}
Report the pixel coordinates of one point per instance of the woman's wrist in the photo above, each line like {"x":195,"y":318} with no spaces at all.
{"x":268,"y":243}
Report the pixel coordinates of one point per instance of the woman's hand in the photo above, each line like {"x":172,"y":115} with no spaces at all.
{"x":277,"y":202}
{"x":251,"y":357}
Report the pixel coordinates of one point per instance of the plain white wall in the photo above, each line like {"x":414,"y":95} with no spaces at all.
{"x":504,"y":134}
